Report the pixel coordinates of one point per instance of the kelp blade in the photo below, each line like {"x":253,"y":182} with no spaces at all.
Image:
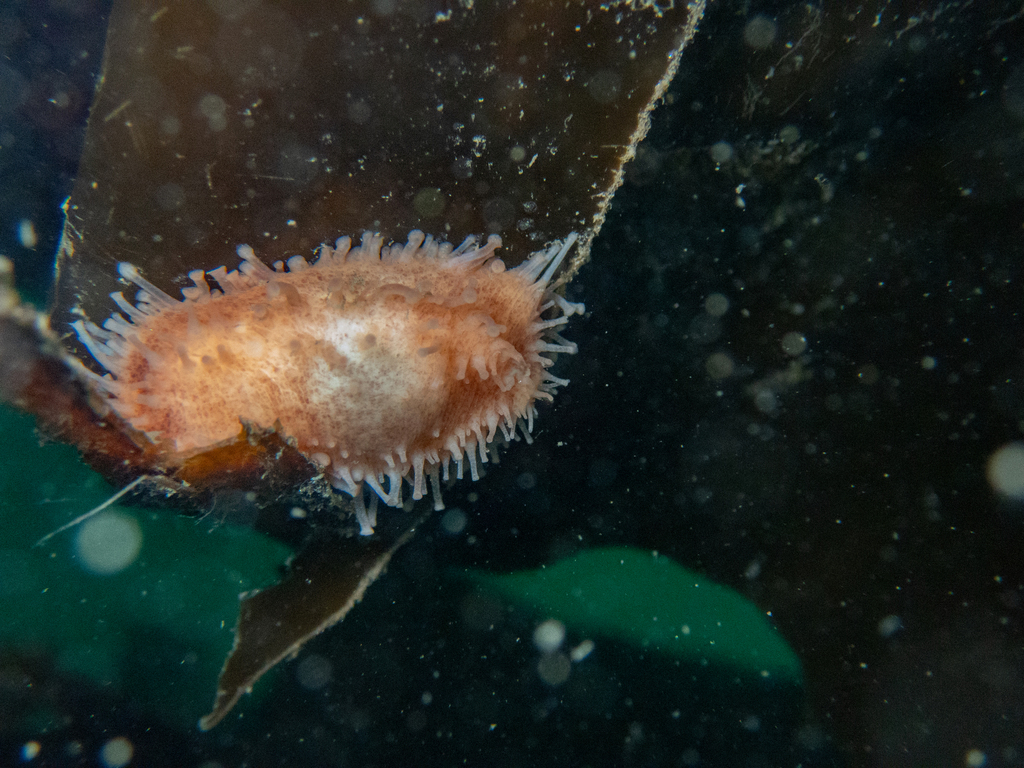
{"x":285,"y":125}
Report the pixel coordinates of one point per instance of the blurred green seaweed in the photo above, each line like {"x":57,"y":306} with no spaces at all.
{"x":648,"y":601}
{"x":157,"y":631}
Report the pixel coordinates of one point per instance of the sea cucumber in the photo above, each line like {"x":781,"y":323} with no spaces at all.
{"x":382,"y":363}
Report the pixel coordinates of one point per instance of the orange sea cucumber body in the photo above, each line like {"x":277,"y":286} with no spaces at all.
{"x":382,"y":363}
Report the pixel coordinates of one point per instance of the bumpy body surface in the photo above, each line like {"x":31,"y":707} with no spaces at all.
{"x":380,"y":362}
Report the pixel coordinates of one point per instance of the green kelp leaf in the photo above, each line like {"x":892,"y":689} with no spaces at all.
{"x":157,"y":630}
{"x":650,"y":601}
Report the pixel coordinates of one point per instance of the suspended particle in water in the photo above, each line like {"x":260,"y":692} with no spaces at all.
{"x":889,"y":626}
{"x":581,"y":651}
{"x":721,"y":152}
{"x":314,"y":672}
{"x":554,"y":668}
{"x":27,"y":234}
{"x":1005,"y":471}
{"x":716,"y":304}
{"x":549,"y":636}
{"x":760,"y":32}
{"x":108,"y":543}
{"x":453,"y":522}
{"x":794,"y":343}
{"x":117,"y":753}
{"x":789,"y":134}
{"x":30,"y":750}
{"x":719,"y":365}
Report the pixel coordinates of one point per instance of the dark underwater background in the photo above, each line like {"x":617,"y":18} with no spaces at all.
{"x":801,"y":351}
